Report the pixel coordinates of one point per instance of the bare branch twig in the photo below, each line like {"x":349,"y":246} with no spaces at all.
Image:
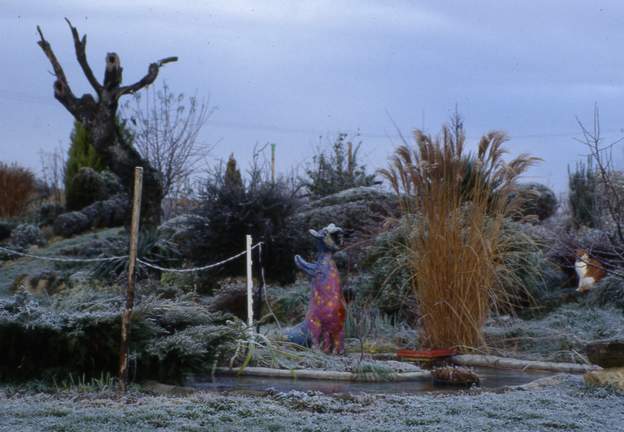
{"x":81,"y":55}
{"x":149,"y":78}
{"x":62,"y":90}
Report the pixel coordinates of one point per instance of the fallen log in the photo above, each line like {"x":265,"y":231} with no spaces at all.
{"x":510,"y":363}
{"x":319,"y":374}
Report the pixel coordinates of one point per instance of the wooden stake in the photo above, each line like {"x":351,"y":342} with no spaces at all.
{"x":350,"y":158}
{"x":127,"y":313}
{"x":249,"y":286}
{"x":273,"y":162}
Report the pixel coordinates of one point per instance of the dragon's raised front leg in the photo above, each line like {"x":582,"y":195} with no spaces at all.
{"x":304,"y":266}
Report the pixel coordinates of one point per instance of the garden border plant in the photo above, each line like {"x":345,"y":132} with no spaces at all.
{"x":455,"y":251}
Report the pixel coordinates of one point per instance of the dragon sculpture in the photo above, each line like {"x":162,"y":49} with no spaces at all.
{"x":323,"y":325}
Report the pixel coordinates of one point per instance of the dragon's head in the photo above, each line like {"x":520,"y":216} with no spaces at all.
{"x":330,"y":238}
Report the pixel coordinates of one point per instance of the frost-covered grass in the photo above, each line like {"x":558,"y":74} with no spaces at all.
{"x":9,"y":270}
{"x":560,"y":335}
{"x":566,"y":406}
{"x":78,"y":332}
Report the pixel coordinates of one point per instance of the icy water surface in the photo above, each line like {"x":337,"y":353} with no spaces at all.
{"x":490,"y":378}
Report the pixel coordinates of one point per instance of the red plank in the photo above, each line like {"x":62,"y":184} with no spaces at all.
{"x":426,"y":354}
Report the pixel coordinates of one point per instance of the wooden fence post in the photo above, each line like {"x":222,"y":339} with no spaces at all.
{"x":127,"y":313}
{"x":350,"y":167}
{"x":273,"y":162}
{"x":250,"y":316}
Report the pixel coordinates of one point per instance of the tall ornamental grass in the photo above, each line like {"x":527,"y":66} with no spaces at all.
{"x":458,"y":203}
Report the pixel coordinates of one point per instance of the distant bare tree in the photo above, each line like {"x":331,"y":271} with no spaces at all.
{"x":602,"y":155}
{"x":53,"y":172}
{"x":166,"y":130}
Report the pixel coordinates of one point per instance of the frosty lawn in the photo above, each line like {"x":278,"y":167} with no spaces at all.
{"x":563,"y":403}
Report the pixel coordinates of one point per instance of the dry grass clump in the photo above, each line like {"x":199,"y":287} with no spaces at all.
{"x":452,"y":375}
{"x":17,"y":186}
{"x":456,"y":250}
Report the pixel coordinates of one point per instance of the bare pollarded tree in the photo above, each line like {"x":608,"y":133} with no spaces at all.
{"x":166,"y":129}
{"x":99,"y":116}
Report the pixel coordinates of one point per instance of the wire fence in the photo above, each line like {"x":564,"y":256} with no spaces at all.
{"x":196,"y":269}
{"x":60,"y":258}
{"x":141,"y":261}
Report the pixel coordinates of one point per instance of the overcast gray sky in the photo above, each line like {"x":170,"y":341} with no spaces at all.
{"x":290,"y":71}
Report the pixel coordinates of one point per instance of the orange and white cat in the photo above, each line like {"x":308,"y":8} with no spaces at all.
{"x":589,"y":270}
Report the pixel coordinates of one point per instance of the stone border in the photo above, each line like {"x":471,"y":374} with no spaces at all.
{"x":321,"y":374}
{"x":510,"y":363}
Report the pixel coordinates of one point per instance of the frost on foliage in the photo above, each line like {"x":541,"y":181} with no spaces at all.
{"x":560,"y":335}
{"x":25,"y":235}
{"x":568,"y":405}
{"x":79,"y":332}
{"x":609,"y":292}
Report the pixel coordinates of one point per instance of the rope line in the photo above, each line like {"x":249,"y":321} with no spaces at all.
{"x":139,"y":260}
{"x":61,"y":258}
{"x":196,"y":269}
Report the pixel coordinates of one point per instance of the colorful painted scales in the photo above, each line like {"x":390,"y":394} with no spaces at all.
{"x":324,"y":322}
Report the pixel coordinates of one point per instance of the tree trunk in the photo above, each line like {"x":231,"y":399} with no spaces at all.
{"x":99,"y":116}
{"x":121,"y":158}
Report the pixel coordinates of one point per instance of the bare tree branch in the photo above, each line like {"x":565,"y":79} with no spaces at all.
{"x":150,"y":77}
{"x":81,"y":55}
{"x":603,"y":157}
{"x":47,"y":49}
{"x":62,"y":90}
{"x":166,"y":132}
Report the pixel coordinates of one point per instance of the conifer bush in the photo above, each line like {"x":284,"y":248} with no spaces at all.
{"x":583,"y":200}
{"x":81,"y":154}
{"x":337,"y":169}
{"x":233,"y":208}
{"x":86,"y":180}
{"x":609,"y":292}
{"x":538,"y":202}
{"x":79,"y":332}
